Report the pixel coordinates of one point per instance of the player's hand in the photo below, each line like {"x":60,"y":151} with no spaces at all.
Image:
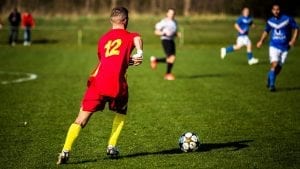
{"x":292,"y":43}
{"x":90,"y":81}
{"x":242,"y":31}
{"x":135,"y":60}
{"x":259,"y":44}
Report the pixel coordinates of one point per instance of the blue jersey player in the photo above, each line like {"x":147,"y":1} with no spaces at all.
{"x":242,"y":25}
{"x":283,"y":32}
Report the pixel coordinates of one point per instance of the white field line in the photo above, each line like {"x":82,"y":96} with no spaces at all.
{"x":28,"y":77}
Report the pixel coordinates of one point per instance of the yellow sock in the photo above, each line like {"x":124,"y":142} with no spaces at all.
{"x":116,"y":129}
{"x":71,"y":136}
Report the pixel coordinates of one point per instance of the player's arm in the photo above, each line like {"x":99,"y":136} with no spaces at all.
{"x":263,"y":36}
{"x":238,"y":28}
{"x":137,"y":58}
{"x":158,"y":29}
{"x":158,"y":32}
{"x":178,"y":33}
{"x":294,"y":37}
{"x":262,"y":39}
{"x":295,"y":32}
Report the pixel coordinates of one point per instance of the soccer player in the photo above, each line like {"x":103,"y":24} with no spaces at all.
{"x":283,"y":32}
{"x":14,"y":19}
{"x":167,"y":30}
{"x":242,"y":25}
{"x":27,"y":24}
{"x":107,"y":83}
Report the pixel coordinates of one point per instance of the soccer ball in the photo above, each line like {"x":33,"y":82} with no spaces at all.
{"x":189,"y":142}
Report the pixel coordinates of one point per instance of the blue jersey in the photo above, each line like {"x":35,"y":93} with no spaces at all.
{"x":244,"y":23}
{"x":280,"y":30}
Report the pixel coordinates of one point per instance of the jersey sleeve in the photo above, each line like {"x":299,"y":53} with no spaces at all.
{"x":239,"y":21}
{"x":252,"y":22}
{"x":135,"y":34}
{"x":159,"y":25}
{"x":268,"y":27}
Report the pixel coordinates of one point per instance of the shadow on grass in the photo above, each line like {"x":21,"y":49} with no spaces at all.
{"x":201,"y":76}
{"x":205,"y":147}
{"x":84,"y":161}
{"x":44,"y":41}
{"x":236,"y":145}
{"x":287,"y":89}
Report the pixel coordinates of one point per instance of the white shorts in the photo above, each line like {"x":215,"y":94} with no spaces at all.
{"x":277,"y":55}
{"x":243,"y":41}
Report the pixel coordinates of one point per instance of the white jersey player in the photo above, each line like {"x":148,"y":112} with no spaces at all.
{"x":167,"y":29}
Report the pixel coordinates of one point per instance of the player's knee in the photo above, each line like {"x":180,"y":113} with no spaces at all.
{"x":82,"y":119}
{"x":80,"y":122}
{"x":237,"y":47}
{"x":274,"y":65}
{"x":171,"y":59}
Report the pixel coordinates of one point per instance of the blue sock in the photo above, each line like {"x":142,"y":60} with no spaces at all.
{"x":249,"y":55}
{"x":272,"y":77}
{"x":229,"y":49}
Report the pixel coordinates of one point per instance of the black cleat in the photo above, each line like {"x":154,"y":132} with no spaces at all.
{"x":112,"y":151}
{"x":272,"y":88}
{"x":63,"y":157}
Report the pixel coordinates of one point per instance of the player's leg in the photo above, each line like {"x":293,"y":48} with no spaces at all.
{"x":251,"y":60}
{"x":283,"y":57}
{"x":16,"y":35}
{"x":80,"y":122}
{"x":272,"y":76}
{"x":275,"y":55}
{"x":170,"y":50}
{"x":11,"y":34}
{"x":91,"y":102}
{"x":73,"y":132}
{"x":25,"y":36}
{"x":231,"y":48}
{"x":119,"y":105}
{"x":29,"y":35}
{"x":155,"y":60}
{"x":117,"y":127}
{"x":170,"y":63}
{"x":276,"y":67}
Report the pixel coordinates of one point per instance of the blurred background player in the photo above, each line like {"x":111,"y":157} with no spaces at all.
{"x":167,"y":30}
{"x":14,"y":20}
{"x":27,"y":24}
{"x":107,"y":83}
{"x":242,"y":25}
{"x":283,"y":32}
{"x":1,"y":23}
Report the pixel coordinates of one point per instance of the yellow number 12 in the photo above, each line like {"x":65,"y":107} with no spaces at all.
{"x":112,"y":47}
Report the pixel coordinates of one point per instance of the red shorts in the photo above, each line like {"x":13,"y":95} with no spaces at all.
{"x":93,"y":101}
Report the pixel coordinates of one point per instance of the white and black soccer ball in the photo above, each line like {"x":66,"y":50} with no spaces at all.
{"x":188,"y":142}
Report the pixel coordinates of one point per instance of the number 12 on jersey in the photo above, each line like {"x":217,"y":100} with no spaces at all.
{"x":112,"y":47}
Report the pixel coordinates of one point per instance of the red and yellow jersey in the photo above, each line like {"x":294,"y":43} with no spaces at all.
{"x":114,"y":50}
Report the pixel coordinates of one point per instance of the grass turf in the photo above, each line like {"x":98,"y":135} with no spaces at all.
{"x":239,"y":122}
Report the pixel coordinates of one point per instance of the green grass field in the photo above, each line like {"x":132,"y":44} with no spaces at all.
{"x":239,"y":122}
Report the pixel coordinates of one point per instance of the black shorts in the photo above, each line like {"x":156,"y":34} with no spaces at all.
{"x":169,"y":47}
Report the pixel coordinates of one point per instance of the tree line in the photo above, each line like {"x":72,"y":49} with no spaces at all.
{"x":260,"y":8}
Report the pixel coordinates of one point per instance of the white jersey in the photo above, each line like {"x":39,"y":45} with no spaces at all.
{"x":168,"y":27}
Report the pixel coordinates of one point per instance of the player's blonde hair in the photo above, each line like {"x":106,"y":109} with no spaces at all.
{"x":119,"y":15}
